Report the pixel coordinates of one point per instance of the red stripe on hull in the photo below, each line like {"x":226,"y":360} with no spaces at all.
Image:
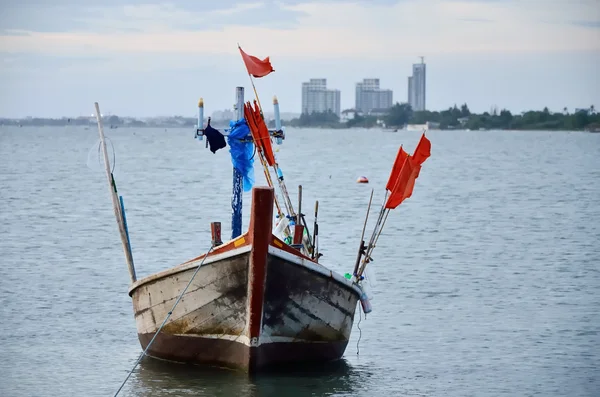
{"x":259,"y":233}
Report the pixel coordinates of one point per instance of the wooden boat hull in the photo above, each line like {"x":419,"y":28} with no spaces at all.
{"x":255,"y":302}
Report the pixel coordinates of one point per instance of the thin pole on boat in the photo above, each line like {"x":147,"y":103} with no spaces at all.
{"x":376,"y":232}
{"x":315,"y":252}
{"x":255,"y":93}
{"x":238,"y":179}
{"x":200,"y":126}
{"x":263,"y":162}
{"x":361,"y":248}
{"x":299,"y":204}
{"x":298,"y":227}
{"x":115,"y":199}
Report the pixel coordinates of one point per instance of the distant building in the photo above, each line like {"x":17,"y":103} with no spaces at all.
{"x":417,"y":87}
{"x":223,"y":115}
{"x":369,"y":96}
{"x":379,"y":112}
{"x":316,"y":98}
{"x":347,"y":115}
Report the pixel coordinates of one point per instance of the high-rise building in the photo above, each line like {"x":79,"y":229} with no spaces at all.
{"x":417,"y":87}
{"x":316,"y":98}
{"x":370,"y":97}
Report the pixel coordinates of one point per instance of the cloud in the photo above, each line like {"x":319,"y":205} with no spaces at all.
{"x":141,"y":15}
{"x":333,"y":29}
{"x":104,"y":18}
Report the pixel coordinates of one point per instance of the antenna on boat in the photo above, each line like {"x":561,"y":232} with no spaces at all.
{"x":315,"y":253}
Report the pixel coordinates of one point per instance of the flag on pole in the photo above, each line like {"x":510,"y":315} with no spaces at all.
{"x":422,"y":151}
{"x":400,"y":157}
{"x":405,"y":171}
{"x":256,"y":67}
{"x":404,"y":184}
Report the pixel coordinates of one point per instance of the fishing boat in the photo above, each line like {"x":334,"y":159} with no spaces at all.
{"x":264,"y":298}
{"x":255,"y":302}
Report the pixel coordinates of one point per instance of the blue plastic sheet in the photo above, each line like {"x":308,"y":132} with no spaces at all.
{"x":242,"y":152}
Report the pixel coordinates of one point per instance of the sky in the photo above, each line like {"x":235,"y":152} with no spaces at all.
{"x":143,"y":58}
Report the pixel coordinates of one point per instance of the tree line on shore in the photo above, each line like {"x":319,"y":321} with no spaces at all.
{"x":397,"y":116}
{"x":461,"y":117}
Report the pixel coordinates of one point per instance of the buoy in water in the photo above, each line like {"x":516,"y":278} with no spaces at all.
{"x":362,"y":179}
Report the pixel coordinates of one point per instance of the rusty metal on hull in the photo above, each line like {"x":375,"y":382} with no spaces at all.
{"x":231,"y":354}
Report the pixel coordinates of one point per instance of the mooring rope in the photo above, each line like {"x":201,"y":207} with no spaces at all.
{"x":359,"y":331}
{"x":164,"y":322}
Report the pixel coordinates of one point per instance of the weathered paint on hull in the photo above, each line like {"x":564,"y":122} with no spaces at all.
{"x":255,"y":302}
{"x":307,"y":316}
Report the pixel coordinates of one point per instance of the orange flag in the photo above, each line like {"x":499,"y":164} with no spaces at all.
{"x":255,"y":66}
{"x":422,"y":151}
{"x":396,"y":169}
{"x":404,"y":184}
{"x":405,"y":172}
{"x":411,"y":182}
{"x":260,"y":133}
{"x":263,"y":133}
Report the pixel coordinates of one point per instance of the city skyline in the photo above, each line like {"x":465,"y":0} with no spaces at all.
{"x":145,"y":58}
{"x":317,"y":98}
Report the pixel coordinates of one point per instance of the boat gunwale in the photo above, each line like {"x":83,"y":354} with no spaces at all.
{"x":229,"y":250}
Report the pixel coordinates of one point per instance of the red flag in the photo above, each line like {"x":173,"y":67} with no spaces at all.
{"x":422,"y":151}
{"x":260,"y":133}
{"x":405,"y":172}
{"x":411,"y":182}
{"x":255,"y":66}
{"x":396,"y":169}
{"x":404,"y":184}
{"x":265,"y":138}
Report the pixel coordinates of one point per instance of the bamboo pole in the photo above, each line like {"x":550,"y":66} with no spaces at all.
{"x":115,"y":200}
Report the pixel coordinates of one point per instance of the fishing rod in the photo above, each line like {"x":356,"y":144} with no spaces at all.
{"x":361,"y":248}
{"x":377,"y":230}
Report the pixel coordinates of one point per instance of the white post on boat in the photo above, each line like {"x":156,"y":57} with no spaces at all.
{"x":238,"y":179}
{"x":115,"y":200}
{"x":278,"y":139}
{"x":200,"y":119}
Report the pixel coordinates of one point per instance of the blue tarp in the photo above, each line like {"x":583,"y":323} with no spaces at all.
{"x":242,"y":152}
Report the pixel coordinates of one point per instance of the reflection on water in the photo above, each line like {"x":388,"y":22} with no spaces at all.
{"x":160,"y":378}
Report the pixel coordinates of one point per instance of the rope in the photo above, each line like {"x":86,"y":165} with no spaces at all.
{"x":164,"y":322}
{"x":359,"y":330}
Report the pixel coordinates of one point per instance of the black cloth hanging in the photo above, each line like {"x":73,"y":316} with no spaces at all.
{"x":216,"y":140}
